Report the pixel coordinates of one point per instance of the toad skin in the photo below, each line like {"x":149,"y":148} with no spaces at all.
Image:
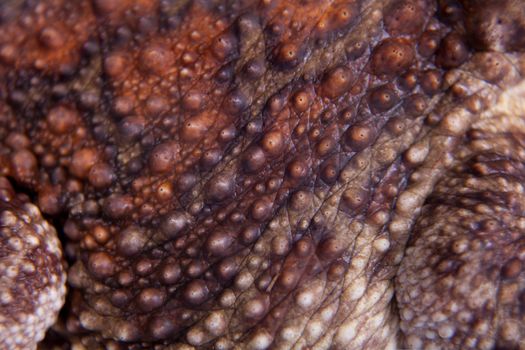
{"x":241,"y":174}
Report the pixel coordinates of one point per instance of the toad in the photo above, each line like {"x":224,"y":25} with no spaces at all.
{"x":270,"y":174}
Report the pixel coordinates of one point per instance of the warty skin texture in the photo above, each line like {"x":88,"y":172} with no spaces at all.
{"x":267,"y":174}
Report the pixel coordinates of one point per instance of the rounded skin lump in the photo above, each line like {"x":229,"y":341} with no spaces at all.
{"x":275,"y":174}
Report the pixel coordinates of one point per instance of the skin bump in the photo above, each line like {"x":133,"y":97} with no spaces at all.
{"x":262,"y":174}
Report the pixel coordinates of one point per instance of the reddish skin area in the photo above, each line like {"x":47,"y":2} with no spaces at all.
{"x":248,"y":174}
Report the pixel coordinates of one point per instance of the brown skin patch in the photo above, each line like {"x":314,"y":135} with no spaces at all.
{"x":48,"y":38}
{"x":247,"y":174}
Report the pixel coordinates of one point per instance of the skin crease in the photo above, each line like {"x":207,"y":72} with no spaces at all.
{"x":262,"y":174}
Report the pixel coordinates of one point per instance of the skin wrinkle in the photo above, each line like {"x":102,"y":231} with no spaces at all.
{"x":267,"y":174}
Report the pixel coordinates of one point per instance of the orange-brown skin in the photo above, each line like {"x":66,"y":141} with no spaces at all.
{"x":247,"y":174}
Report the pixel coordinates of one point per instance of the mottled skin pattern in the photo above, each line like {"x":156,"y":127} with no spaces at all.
{"x":32,"y":278}
{"x":334,"y":174}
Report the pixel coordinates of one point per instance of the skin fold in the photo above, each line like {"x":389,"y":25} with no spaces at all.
{"x":262,"y":174}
